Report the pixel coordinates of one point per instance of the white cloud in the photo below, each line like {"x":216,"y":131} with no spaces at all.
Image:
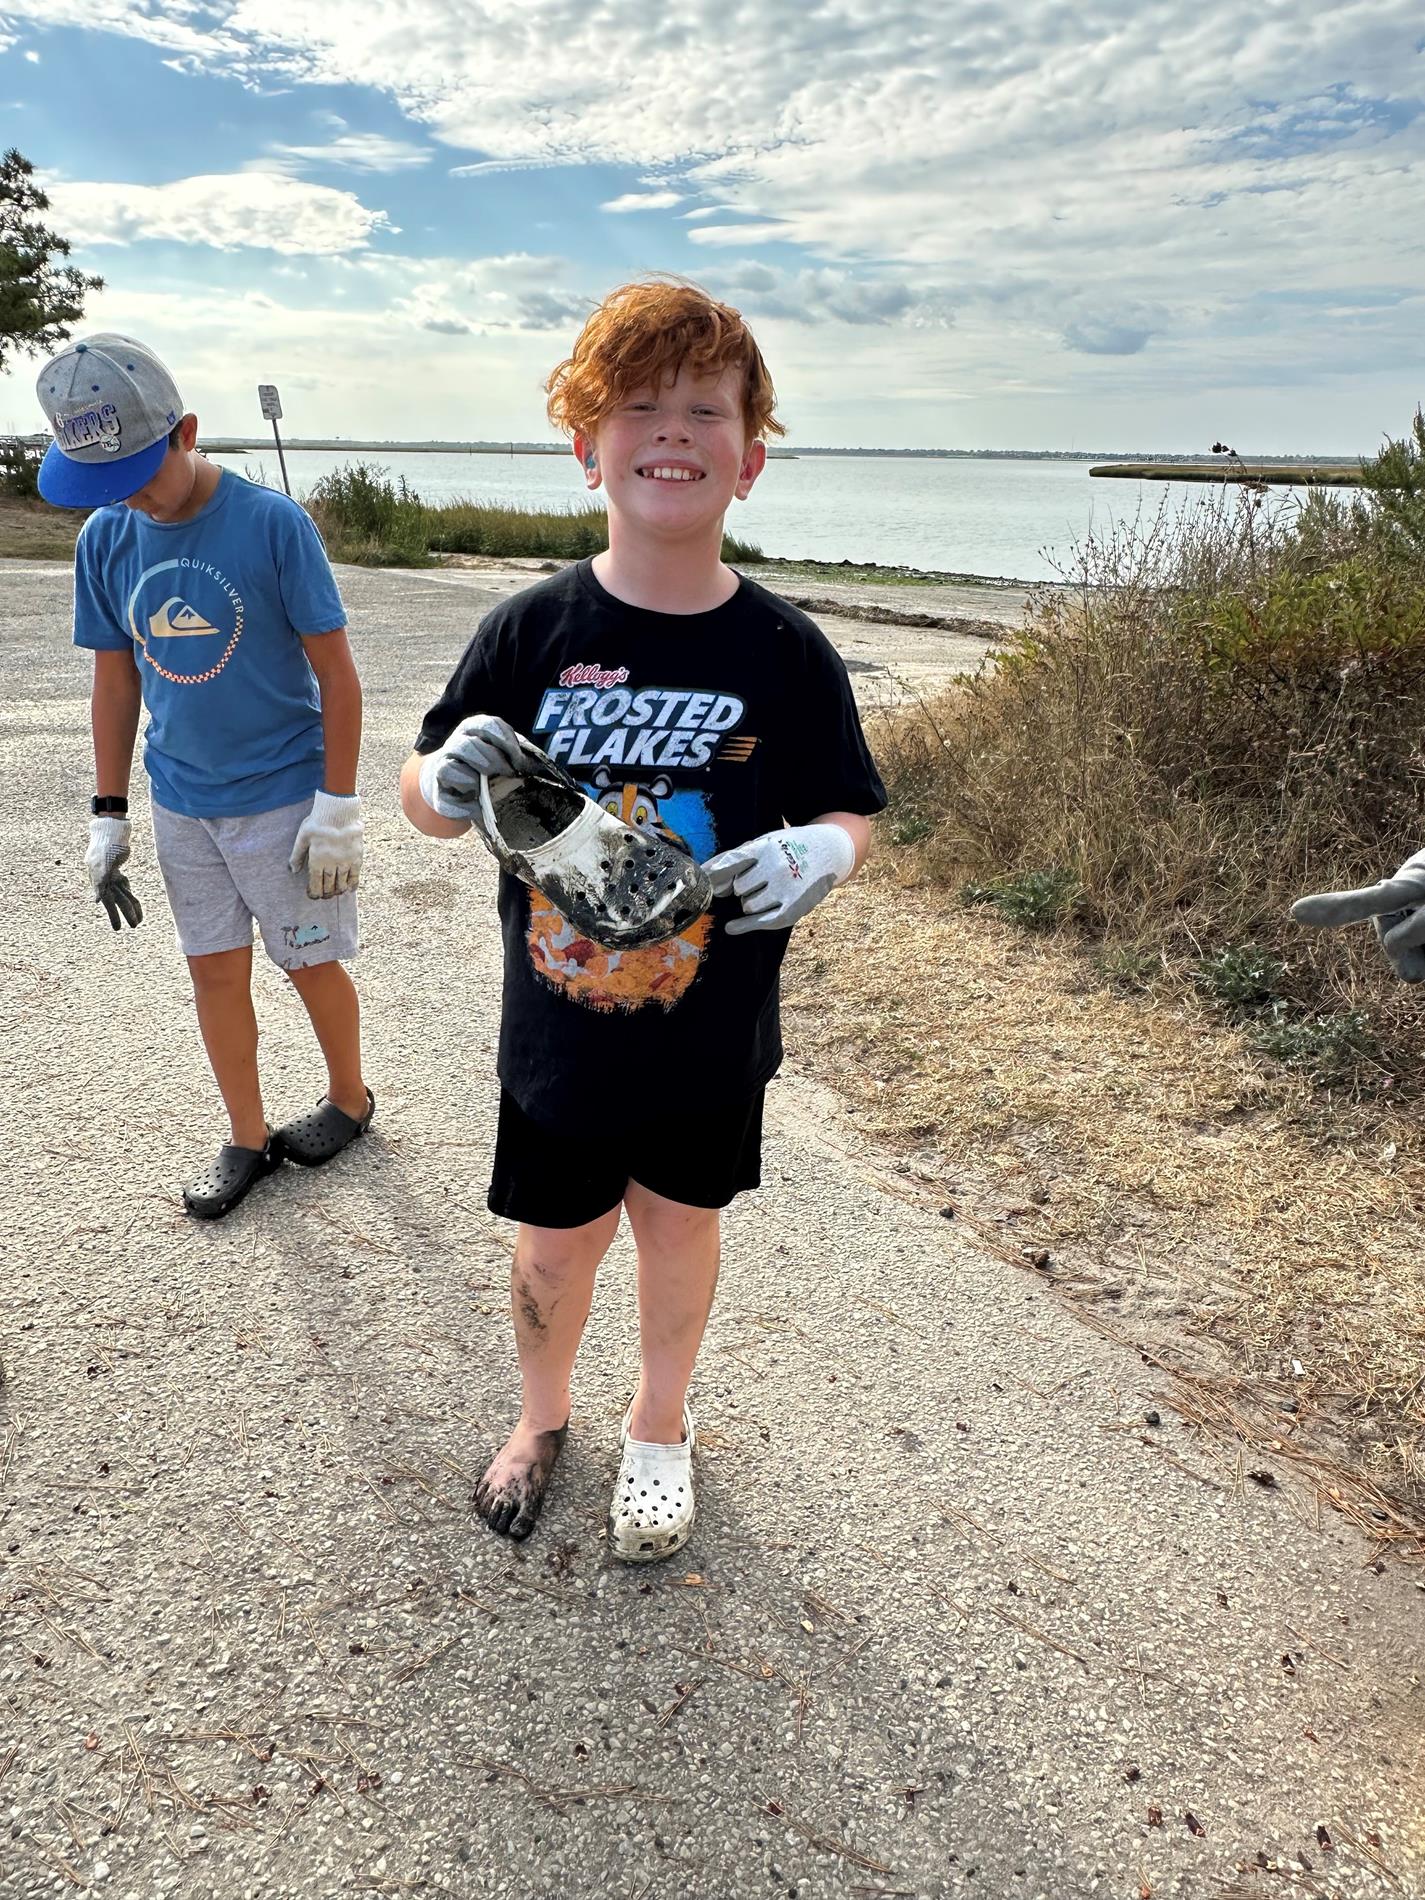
{"x":33,"y":58}
{"x":643,"y":201}
{"x":483,"y":296}
{"x":358,"y":151}
{"x":259,"y":210}
{"x":1102,"y":195}
{"x":1104,"y":337}
{"x":725,"y":235}
{"x":490,"y":165}
{"x":834,"y":296}
{"x":1114,"y":147}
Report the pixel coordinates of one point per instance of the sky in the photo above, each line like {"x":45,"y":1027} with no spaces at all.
{"x":1118,"y":224}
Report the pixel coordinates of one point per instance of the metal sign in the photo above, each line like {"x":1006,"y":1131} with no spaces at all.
{"x":272,"y":408}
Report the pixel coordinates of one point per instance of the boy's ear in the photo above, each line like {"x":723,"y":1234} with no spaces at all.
{"x":187,"y":431}
{"x":587,"y":455}
{"x":753,"y":462}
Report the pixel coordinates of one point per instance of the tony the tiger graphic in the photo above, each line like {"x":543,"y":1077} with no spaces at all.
{"x":658,"y":973}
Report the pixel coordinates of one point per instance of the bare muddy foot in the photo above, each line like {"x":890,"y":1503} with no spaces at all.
{"x":511,"y":1492}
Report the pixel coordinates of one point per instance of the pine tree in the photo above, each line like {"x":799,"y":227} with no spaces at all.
{"x":41,"y":297}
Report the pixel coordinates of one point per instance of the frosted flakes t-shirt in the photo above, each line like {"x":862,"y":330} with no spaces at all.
{"x":712,"y":727}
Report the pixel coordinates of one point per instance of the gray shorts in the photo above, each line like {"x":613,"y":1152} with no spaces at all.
{"x":221,"y":873}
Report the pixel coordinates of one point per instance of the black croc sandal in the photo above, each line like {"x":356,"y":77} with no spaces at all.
{"x":313,"y":1140}
{"x":227,"y":1178}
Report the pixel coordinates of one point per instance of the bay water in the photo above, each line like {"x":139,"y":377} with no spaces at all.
{"x":1019,"y":519}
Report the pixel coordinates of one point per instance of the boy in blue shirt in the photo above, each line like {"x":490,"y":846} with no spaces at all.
{"x":698,"y":708}
{"x":209,"y":600}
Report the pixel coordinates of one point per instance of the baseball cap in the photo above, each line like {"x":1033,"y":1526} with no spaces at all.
{"x":111,"y":405}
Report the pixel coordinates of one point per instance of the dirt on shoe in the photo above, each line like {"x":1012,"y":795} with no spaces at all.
{"x":621,"y":887}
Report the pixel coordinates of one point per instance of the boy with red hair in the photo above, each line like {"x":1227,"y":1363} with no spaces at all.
{"x":699,"y":707}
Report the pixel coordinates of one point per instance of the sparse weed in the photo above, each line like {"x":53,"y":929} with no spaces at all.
{"x":909,"y":827}
{"x":1244,"y":978}
{"x":1329,"y":1048}
{"x":1035,"y":900}
{"x":1124,"y":966}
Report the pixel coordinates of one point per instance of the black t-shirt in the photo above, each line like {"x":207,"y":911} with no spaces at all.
{"x":717,"y":726}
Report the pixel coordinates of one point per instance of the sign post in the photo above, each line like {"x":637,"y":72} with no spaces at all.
{"x":272,"y":408}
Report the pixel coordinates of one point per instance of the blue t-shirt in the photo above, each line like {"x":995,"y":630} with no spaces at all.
{"x":213,"y":610}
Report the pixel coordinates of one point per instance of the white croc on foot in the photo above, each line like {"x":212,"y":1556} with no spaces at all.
{"x":651,"y":1512}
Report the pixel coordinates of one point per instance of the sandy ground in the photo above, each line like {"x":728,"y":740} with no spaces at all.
{"x":940,"y":629}
{"x":967,"y":1611}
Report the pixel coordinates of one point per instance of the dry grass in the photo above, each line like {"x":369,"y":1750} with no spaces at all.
{"x":1133,"y":1150}
{"x":1205,"y":721}
{"x":1209,"y":719}
{"x":33,"y":531}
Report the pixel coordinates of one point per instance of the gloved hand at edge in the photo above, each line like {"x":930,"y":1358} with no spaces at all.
{"x":782,"y":875}
{"x":329,"y":841}
{"x":483,"y":746}
{"x":1396,"y":905}
{"x":104,"y":860}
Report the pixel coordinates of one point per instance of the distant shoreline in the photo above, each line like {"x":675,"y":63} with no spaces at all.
{"x":510,"y":450}
{"x":337,"y":445}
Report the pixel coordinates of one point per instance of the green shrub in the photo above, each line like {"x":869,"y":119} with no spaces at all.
{"x":1035,"y":900}
{"x":1244,"y":978}
{"x":366,"y":517}
{"x":1211,"y":714}
{"x":19,"y":468}
{"x":1330,"y":1048}
{"x":1395,"y":484}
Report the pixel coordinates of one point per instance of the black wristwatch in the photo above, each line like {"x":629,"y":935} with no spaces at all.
{"x":109,"y":807}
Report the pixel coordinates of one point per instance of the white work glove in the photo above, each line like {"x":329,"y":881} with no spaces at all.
{"x":782,"y":875}
{"x":330,"y":842}
{"x":1397,"y":907}
{"x":483,"y":746}
{"x":104,"y":861}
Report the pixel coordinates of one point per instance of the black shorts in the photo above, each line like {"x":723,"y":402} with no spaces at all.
{"x":552,"y":1180}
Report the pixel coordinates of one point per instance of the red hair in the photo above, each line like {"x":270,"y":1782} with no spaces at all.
{"x":640,"y":336}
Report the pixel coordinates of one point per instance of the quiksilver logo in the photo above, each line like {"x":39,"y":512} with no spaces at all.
{"x":176,"y":620}
{"x":96,"y":427}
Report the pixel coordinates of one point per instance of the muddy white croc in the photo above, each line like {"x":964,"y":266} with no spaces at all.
{"x":651,"y":1512}
{"x":618,"y":886}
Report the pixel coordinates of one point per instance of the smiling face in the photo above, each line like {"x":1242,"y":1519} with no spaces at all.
{"x":672,"y":459}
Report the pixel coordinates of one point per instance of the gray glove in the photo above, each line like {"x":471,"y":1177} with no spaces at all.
{"x":782,"y":875}
{"x":107,"y":854}
{"x":329,"y":844}
{"x":1397,"y":906}
{"x":482,"y":746}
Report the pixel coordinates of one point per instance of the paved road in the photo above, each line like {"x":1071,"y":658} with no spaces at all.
{"x":956,"y":1619}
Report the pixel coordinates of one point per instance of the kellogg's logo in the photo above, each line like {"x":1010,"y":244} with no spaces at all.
{"x":593,"y":676}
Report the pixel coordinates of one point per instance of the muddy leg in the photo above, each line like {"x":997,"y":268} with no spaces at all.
{"x":551,"y":1291}
{"x":678,"y":1253}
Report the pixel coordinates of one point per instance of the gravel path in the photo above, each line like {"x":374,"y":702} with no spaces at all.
{"x":960,"y":1617}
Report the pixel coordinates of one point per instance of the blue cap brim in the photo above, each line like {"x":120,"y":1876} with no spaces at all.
{"x":71,"y":484}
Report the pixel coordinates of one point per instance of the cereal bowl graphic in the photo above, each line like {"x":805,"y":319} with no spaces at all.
{"x":609,"y":979}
